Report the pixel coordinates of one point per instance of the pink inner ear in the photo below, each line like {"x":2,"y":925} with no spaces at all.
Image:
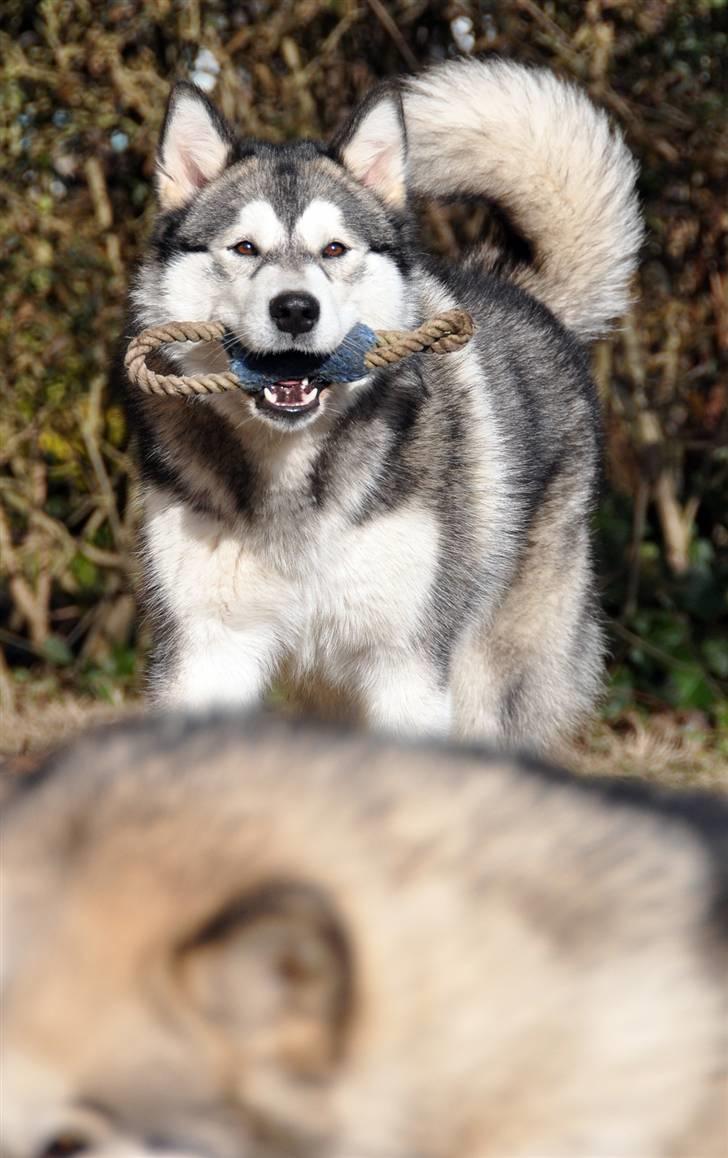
{"x":379,"y":172}
{"x":194,"y":173}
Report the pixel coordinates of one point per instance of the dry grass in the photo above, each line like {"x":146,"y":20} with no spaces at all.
{"x":36,"y":727}
{"x":662,"y":749}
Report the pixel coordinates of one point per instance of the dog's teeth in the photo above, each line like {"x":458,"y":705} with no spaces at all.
{"x":304,"y":382}
{"x":269,"y":394}
{"x":309,"y":394}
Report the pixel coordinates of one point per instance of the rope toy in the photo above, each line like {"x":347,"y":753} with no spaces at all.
{"x":361,"y":350}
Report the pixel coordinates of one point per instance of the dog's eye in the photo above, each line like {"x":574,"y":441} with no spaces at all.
{"x":246,"y":248}
{"x":334,"y":249}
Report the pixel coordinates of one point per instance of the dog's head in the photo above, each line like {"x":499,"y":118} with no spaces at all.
{"x":290,"y":245}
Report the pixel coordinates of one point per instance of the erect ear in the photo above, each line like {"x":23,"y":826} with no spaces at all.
{"x":194,"y":147}
{"x":373,"y":146}
{"x":274,"y":972}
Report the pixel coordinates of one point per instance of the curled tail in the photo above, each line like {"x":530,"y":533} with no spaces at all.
{"x":548,"y":157}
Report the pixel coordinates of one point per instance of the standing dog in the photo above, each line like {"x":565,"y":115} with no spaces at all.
{"x":253,"y":941}
{"x":414,"y":545}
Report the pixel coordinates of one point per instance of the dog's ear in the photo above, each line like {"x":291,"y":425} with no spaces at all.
{"x":373,"y":145}
{"x":273,"y":974}
{"x":194,"y":147}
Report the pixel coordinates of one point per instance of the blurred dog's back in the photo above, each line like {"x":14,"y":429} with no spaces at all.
{"x":263,"y":939}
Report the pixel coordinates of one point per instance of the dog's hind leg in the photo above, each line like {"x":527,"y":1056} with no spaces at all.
{"x":534,"y":674}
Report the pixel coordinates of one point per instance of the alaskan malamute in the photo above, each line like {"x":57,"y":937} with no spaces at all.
{"x":412,"y":548}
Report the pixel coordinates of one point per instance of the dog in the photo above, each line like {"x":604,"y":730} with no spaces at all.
{"x":410,"y":551}
{"x":263,"y":938}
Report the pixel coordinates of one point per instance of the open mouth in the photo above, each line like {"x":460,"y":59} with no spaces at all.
{"x":291,"y":396}
{"x":287,"y":383}
{"x":290,"y":382}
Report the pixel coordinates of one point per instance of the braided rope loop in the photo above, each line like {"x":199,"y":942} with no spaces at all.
{"x":440,"y":335}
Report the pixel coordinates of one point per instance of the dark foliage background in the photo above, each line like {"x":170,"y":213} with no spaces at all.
{"x":84,"y":86}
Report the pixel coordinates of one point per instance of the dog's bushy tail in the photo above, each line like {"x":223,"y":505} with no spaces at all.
{"x":548,"y":157}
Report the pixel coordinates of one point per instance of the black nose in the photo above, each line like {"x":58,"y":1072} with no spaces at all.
{"x":295,"y":313}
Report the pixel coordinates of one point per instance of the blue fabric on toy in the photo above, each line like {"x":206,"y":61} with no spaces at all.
{"x":344,"y":364}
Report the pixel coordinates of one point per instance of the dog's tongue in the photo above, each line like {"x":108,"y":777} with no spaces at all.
{"x":291,"y":391}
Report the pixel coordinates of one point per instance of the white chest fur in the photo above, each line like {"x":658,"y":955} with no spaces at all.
{"x":243,"y":603}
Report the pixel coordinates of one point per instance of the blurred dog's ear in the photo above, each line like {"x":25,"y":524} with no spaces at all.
{"x":373,"y":145}
{"x":273,"y":971}
{"x":195,"y":145}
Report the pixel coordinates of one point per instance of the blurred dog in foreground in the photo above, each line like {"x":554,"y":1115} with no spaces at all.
{"x":257,"y":939}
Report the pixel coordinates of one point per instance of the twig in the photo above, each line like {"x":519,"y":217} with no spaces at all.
{"x":663,"y":656}
{"x":89,"y":429}
{"x":390,"y":25}
{"x":639,"y":517}
{"x":7,"y":689}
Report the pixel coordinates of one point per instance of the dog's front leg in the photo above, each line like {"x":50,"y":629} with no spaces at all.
{"x":402,"y":694}
{"x":225,"y":618}
{"x":214,"y":665}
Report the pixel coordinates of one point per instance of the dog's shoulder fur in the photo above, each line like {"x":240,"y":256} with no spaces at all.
{"x":264,"y":938}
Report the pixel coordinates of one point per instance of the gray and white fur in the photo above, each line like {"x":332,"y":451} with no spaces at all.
{"x":411,"y":549}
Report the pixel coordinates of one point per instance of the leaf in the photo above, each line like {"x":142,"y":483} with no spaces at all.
{"x":84,"y":571}
{"x":689,"y":688}
{"x":715,"y":652}
{"x":56,"y":651}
